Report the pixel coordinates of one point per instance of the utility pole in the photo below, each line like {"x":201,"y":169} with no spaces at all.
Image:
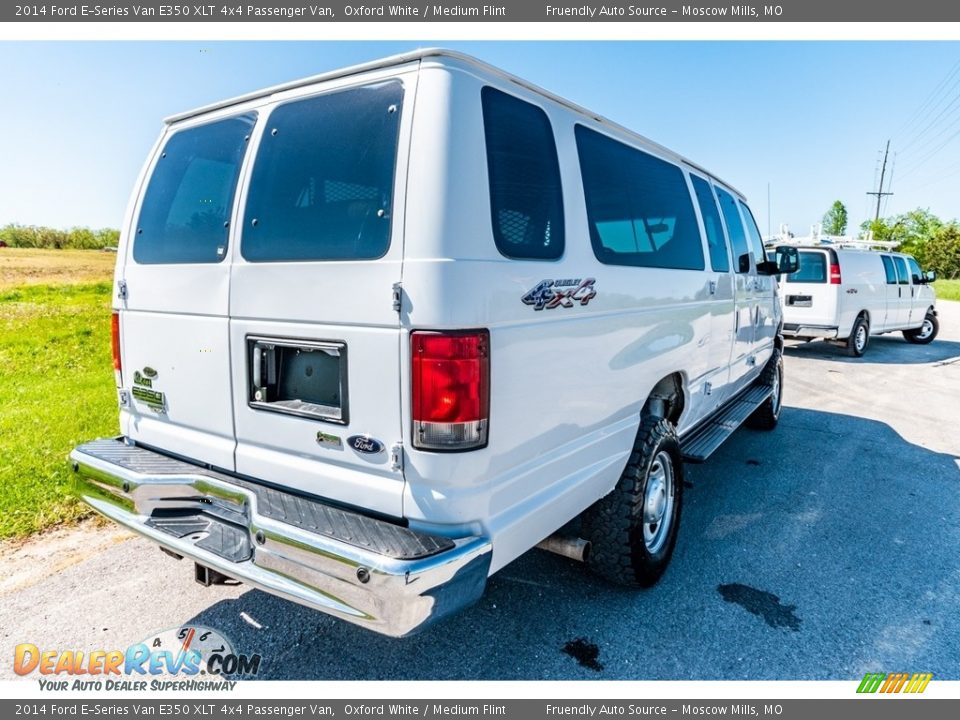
{"x":880,"y":193}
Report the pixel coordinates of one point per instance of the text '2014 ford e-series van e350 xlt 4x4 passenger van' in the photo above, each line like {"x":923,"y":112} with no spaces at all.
{"x":377,"y":333}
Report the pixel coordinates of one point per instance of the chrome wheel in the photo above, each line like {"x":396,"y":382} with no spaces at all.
{"x":658,"y":499}
{"x":926,"y":330}
{"x":860,"y":340}
{"x":776,"y":392}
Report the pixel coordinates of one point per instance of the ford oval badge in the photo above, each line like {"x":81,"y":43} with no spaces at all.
{"x":365,"y":444}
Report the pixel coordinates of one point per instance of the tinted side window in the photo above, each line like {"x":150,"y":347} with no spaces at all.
{"x":902,"y":277}
{"x":526,"y":200}
{"x":915,"y":271}
{"x":322,"y":183}
{"x":638,"y":206}
{"x":888,"y":270}
{"x":716,"y":242}
{"x":185,"y":212}
{"x":738,"y":239}
{"x":813,"y":268}
{"x":753,"y":234}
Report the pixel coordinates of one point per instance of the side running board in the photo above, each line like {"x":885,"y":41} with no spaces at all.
{"x":705,"y":439}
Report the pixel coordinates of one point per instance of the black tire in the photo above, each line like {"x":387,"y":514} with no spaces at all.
{"x":926,"y":333}
{"x":859,"y":337}
{"x":767,"y":415}
{"x":621,"y":550}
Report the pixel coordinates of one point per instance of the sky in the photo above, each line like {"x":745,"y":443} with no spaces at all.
{"x":806,"y":120}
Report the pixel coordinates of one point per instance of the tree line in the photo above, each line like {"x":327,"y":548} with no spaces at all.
{"x":935,"y":243}
{"x":38,"y":236}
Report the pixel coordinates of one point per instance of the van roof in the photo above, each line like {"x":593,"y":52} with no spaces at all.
{"x":441,"y":54}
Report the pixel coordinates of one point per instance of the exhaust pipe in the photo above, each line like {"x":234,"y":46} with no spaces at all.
{"x":575,"y":548}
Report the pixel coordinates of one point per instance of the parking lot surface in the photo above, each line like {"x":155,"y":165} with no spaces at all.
{"x":823,"y":550}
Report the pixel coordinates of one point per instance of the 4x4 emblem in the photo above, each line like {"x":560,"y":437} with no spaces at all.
{"x":560,"y":293}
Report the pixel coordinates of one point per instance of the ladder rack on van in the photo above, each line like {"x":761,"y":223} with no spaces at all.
{"x":827,"y":241}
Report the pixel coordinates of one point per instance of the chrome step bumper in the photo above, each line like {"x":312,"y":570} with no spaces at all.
{"x":385,"y":577}
{"x":799,"y":330}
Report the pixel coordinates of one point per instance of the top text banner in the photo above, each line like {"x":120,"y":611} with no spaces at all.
{"x":321,"y":11}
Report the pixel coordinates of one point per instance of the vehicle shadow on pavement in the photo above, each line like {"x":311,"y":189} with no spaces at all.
{"x":882,"y":350}
{"x":823,"y":550}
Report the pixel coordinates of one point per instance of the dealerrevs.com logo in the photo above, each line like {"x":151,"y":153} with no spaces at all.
{"x":191,"y":657}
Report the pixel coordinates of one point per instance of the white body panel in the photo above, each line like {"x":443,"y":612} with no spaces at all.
{"x":567,"y":384}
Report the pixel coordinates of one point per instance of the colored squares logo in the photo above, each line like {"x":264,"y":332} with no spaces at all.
{"x":894,"y":682}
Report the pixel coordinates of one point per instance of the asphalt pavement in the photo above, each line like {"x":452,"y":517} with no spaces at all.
{"x":825,"y":549}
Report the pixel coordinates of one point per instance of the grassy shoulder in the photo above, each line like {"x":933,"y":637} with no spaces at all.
{"x":56,"y":390}
{"x":947,"y":289}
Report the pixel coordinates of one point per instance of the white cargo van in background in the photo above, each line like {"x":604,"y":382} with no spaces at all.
{"x":846,"y":295}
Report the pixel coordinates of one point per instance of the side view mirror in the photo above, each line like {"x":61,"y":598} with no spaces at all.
{"x":928,"y":277}
{"x":788,"y":261}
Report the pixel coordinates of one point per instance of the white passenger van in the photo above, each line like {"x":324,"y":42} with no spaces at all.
{"x":379,"y":332}
{"x":847,"y":295}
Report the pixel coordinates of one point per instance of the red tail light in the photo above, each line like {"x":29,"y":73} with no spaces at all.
{"x":115,"y":346}
{"x":834,"y":274}
{"x":451,"y":389}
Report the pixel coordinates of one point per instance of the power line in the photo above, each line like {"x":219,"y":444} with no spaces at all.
{"x":927,"y":128}
{"x":920,"y":163}
{"x":945,"y":174}
{"x":923,"y":149}
{"x":935,"y":93}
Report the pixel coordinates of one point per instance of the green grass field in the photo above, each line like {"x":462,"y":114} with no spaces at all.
{"x":56,"y":389}
{"x":947,"y":289}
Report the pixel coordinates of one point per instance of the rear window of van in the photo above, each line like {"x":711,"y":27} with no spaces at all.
{"x":813,"y":268}
{"x":526,"y":198}
{"x":322,"y":181}
{"x":185,"y":213}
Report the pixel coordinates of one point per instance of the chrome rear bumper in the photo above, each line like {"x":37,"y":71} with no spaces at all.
{"x":384,"y":577}
{"x":797,"y":330}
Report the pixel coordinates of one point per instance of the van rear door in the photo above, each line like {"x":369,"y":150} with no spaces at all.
{"x":175,"y":293}
{"x":315,"y":330}
{"x":809,"y":298}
